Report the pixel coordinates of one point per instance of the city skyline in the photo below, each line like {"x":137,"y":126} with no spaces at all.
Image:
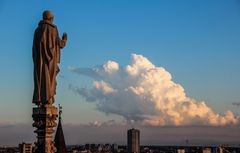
{"x":195,"y":42}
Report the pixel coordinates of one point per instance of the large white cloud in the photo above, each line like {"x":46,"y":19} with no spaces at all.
{"x":144,"y":93}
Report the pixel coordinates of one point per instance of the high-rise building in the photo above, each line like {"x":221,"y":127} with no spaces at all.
{"x":133,"y":140}
{"x":25,"y":147}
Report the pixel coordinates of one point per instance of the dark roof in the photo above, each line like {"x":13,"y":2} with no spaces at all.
{"x":59,"y":139}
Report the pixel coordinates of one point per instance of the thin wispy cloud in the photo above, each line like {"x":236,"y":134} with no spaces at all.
{"x":6,"y":125}
{"x":236,"y":104}
{"x":112,"y":132}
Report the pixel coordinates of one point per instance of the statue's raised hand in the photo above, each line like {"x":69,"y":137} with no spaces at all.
{"x":64,"y":36}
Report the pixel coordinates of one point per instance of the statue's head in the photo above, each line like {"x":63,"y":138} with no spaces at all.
{"x":48,"y":15}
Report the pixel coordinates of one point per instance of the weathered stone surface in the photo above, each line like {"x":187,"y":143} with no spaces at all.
{"x":46,"y":57}
{"x":45,"y":120}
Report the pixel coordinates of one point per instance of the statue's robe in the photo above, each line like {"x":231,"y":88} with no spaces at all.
{"x":46,"y":56}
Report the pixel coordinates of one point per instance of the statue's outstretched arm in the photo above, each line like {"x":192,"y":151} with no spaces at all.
{"x":63,"y":41}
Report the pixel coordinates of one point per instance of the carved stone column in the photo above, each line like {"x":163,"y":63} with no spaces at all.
{"x":45,"y":120}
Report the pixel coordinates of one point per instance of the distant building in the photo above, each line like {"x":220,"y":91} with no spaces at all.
{"x":133,"y":140}
{"x":25,"y":147}
{"x":114,"y":147}
{"x":180,"y":150}
{"x":207,"y":150}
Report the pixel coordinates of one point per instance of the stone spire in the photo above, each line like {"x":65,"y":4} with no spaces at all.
{"x":59,"y":137}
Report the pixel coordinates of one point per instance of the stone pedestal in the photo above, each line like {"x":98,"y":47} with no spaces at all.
{"x":45,"y":120}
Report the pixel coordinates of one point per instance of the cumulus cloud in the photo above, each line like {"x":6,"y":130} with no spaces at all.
{"x":146,"y":94}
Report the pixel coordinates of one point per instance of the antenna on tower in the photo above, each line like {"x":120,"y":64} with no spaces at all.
{"x":60,"y":111}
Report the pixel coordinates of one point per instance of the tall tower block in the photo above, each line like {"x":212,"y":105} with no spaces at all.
{"x":133,"y":140}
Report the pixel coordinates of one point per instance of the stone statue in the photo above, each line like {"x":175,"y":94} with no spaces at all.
{"x":46,"y":57}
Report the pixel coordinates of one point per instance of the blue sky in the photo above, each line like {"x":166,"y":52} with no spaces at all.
{"x":196,"y":41}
